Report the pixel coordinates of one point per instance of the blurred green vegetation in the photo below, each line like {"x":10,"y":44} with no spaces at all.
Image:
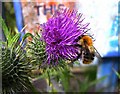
{"x":118,"y":75}
{"x":9,"y":16}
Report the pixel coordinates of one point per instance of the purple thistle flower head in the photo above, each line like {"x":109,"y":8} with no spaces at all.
{"x":60,"y":33}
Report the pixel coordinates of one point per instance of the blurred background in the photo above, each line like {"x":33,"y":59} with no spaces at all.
{"x":103,"y":16}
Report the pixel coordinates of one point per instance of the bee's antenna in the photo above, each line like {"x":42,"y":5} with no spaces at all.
{"x":91,"y":36}
{"x":94,"y":40}
{"x":85,"y":32}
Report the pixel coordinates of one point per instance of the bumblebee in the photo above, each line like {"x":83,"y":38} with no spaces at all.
{"x":87,"y":50}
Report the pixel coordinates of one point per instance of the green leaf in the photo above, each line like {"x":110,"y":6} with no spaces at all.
{"x":5,"y":29}
{"x":96,"y":81}
{"x":48,"y":77}
{"x":26,"y":36}
{"x":116,"y":73}
{"x":85,"y":85}
{"x":23,"y":39}
{"x":14,"y":40}
{"x":2,"y":42}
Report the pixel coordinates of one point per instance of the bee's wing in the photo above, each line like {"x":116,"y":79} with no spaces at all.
{"x":97,"y":54}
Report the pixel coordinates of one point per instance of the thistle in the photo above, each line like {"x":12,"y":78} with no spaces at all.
{"x":36,"y":51}
{"x":60,"y":33}
{"x":15,"y":67}
{"x":14,"y":72}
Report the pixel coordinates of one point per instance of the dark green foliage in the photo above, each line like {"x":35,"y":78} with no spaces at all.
{"x":60,"y":73}
{"x":9,"y":16}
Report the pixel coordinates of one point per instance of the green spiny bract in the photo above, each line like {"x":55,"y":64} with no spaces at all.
{"x":14,"y":71}
{"x":36,"y":51}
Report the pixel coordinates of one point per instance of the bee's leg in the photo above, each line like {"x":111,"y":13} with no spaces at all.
{"x":78,"y":45}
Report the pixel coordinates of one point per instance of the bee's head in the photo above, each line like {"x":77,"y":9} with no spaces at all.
{"x":88,"y":40}
{"x":85,"y":39}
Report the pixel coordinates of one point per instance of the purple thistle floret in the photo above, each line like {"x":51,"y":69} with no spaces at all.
{"x":60,"y":33}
